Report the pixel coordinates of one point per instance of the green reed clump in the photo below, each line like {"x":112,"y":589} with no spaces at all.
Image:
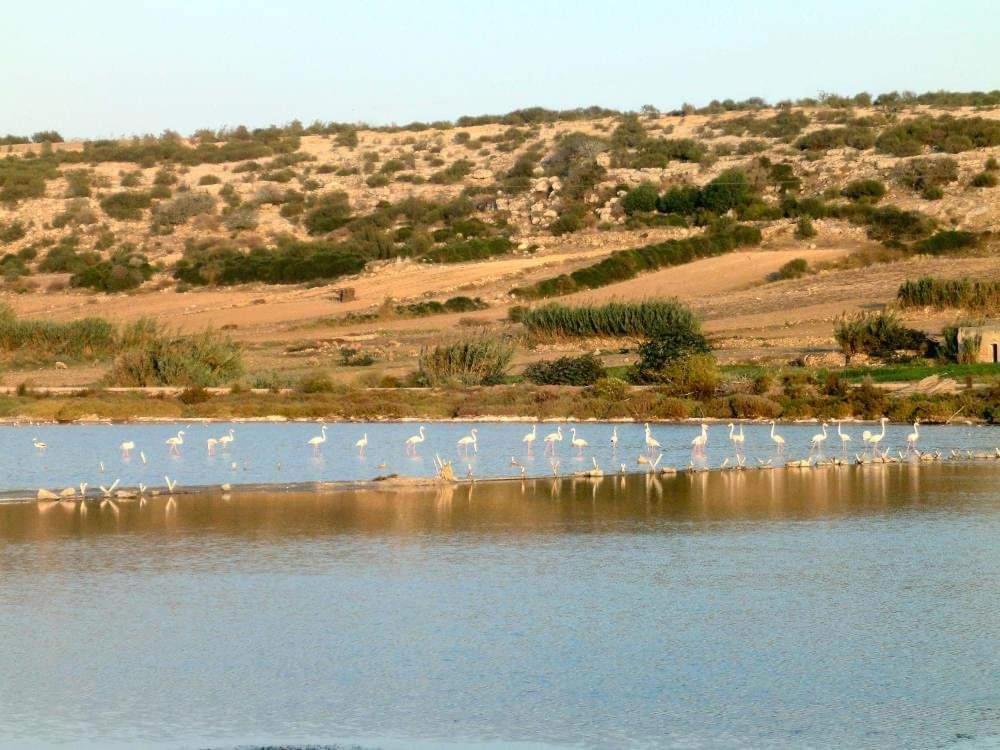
{"x":978,"y":296}
{"x":474,"y":249}
{"x":77,"y":339}
{"x":150,"y":355}
{"x":480,"y":361}
{"x":586,"y":369}
{"x":626,"y":264}
{"x":618,"y":319}
{"x":948,"y":241}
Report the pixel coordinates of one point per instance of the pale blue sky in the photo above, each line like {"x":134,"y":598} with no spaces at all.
{"x":114,"y":67}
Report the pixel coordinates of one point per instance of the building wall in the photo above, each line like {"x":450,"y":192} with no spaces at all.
{"x":989,"y":349}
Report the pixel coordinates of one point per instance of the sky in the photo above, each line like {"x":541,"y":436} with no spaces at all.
{"x":114,"y":67}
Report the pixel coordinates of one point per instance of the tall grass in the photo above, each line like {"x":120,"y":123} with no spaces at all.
{"x":480,"y":361}
{"x":638,"y":319}
{"x":150,"y":355}
{"x":626,"y":264}
{"x":978,"y":296}
{"x":77,"y":339}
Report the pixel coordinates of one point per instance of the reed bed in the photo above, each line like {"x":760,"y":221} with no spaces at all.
{"x":977,"y":296}
{"x":615,"y":319}
{"x":479,"y":361}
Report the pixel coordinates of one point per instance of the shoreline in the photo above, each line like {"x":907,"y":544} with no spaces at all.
{"x":402,"y":484}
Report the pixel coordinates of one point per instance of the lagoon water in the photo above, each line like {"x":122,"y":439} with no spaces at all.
{"x":831,"y":608}
{"x":278,"y":453}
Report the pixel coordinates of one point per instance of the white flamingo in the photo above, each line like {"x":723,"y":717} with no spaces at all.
{"x":552,"y":438}
{"x":210,"y":444}
{"x":817,"y":441}
{"x":614,"y":437}
{"x":778,"y":441}
{"x":699,"y":443}
{"x":317,"y":441}
{"x":844,"y":438}
{"x":226,"y":439}
{"x":362,"y":444}
{"x":414,"y":440}
{"x":913,"y":437}
{"x":578,"y":443}
{"x":873,"y":439}
{"x":651,"y":442}
{"x":170,"y":485}
{"x":529,"y":437}
{"x":470,"y":439}
{"x":39,"y":444}
{"x":175,"y":442}
{"x":738,"y":440}
{"x":126,"y":448}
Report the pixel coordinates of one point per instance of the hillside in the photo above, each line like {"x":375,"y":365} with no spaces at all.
{"x":188,"y":229}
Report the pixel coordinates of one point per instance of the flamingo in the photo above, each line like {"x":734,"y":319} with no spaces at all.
{"x":614,"y":437}
{"x":470,"y":439}
{"x":362,"y":444}
{"x":414,"y":440}
{"x":317,"y":441}
{"x":226,"y":439}
{"x":175,"y":442}
{"x":817,"y":441}
{"x":529,"y":437}
{"x":126,"y":448}
{"x":699,"y":443}
{"x":651,"y":442}
{"x":844,"y":438}
{"x":737,"y":440}
{"x":108,"y":490}
{"x":778,"y":441}
{"x":553,"y":437}
{"x":39,"y":444}
{"x":170,"y":485}
{"x":578,"y":443}
{"x":876,"y":439}
{"x":913,"y":437}
{"x":211,"y":443}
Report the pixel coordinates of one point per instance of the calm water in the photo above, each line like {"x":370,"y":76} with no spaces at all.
{"x":840,"y":608}
{"x":279,"y":453}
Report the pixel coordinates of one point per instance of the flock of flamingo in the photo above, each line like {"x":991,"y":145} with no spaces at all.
{"x":871,"y":445}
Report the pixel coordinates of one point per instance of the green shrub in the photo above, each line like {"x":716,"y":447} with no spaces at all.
{"x":944,"y":133}
{"x":209,"y":179}
{"x":127,"y":205}
{"x":869,"y":190}
{"x":626,"y":264}
{"x":481,"y":361}
{"x":64,"y":257}
{"x":12,"y":232}
{"x":859,"y":138}
{"x":667,"y":347}
{"x":183,"y":207}
{"x":641,"y":198}
{"x":984,"y":179}
{"x":290,"y":263}
{"x":454,"y":172}
{"x":377,"y":181}
{"x":469,"y":250}
{"x":77,"y":213}
{"x":878,"y":334}
{"x":583,"y":370}
{"x":731,"y":189}
{"x":241,"y":218}
{"x":693,"y":376}
{"x":793,"y":269}
{"x":124,"y":270}
{"x":804,"y":230}
{"x":330,"y":212}
{"x":77,"y":339}
{"x":317,"y":382}
{"x":78,"y":183}
{"x":948,"y":241}
{"x":921,"y":174}
{"x":894,"y":224}
{"x":22,"y":179}
{"x":150,"y":355}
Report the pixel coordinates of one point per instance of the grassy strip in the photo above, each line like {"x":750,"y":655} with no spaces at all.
{"x":913,"y":372}
{"x":605,"y":400}
{"x":626,"y":264}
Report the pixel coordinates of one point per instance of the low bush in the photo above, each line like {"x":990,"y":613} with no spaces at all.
{"x":480,"y":361}
{"x":469,"y":250}
{"x":127,"y":205}
{"x":290,"y":263}
{"x":924,"y":173}
{"x":454,"y":172}
{"x":878,"y":334}
{"x":182,"y":208}
{"x":793,"y":269}
{"x":12,"y":232}
{"x":948,"y":241}
{"x":867,"y":190}
{"x":944,"y":133}
{"x":640,"y":199}
{"x":859,"y":138}
{"x":125,"y":270}
{"x":804,"y":230}
{"x":984,"y":179}
{"x":77,"y":339}
{"x":433,"y":307}
{"x":586,"y":369}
